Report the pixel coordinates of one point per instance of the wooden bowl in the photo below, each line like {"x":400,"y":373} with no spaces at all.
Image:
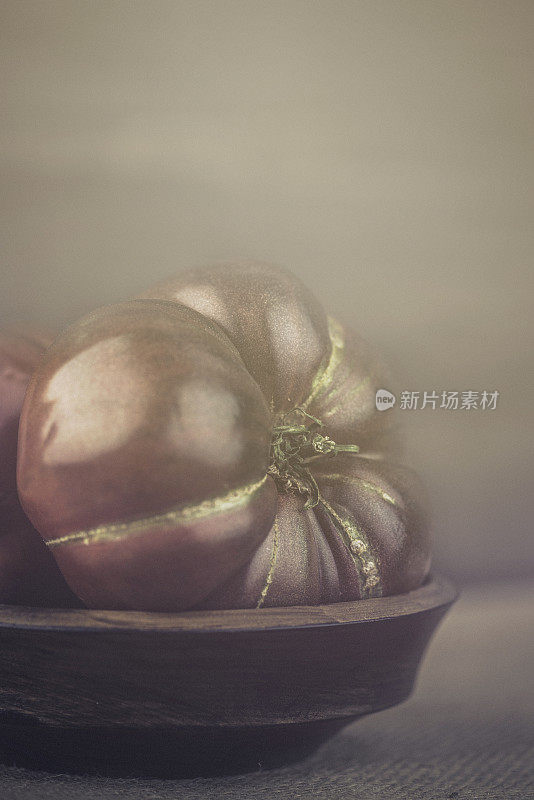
{"x":202,"y":692}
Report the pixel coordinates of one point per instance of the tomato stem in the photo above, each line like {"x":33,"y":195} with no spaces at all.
{"x":294,"y":445}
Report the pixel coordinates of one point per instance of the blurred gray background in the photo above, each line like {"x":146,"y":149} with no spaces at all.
{"x":382,"y":150}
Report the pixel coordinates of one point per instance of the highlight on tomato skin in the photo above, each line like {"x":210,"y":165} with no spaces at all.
{"x":275,"y":322}
{"x":143,"y":426}
{"x":28,"y":572}
{"x":287,"y":341}
{"x":214,"y":443}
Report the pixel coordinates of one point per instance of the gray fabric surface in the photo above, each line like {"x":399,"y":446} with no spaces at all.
{"x":466,"y":733}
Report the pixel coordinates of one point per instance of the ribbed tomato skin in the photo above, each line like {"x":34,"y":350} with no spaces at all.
{"x":145,"y":459}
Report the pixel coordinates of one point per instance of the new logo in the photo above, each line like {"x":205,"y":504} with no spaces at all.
{"x":384,"y":400}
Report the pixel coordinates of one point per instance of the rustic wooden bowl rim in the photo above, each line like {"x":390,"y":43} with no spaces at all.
{"x":434,"y":593}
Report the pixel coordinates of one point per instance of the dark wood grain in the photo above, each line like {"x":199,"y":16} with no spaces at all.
{"x":202,"y":693}
{"x":229,"y":668}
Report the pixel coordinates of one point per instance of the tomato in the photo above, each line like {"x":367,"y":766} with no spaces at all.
{"x":215,"y":443}
{"x":28,"y":573}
